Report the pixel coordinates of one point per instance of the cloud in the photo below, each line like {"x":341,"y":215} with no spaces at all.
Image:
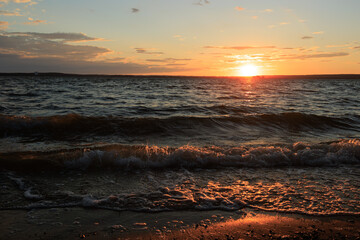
{"x":311,"y":37}
{"x":169,"y":60}
{"x":202,"y":2}
{"x":239,"y":47}
{"x":16,"y":63}
{"x":146,"y":51}
{"x":36,"y":22}
{"x":176,"y":64}
{"x":34,"y":45}
{"x":311,"y":56}
{"x":236,"y":59}
{"x":268,"y":10}
{"x":58,"y":36}
{"x":3,"y":25}
{"x":52,"y":52}
{"x":338,"y":46}
{"x":284,"y":23}
{"x":114,"y":60}
{"x":254,"y":17}
{"x":7,"y":13}
{"x":179,"y":37}
{"x":307,"y":37}
{"x":19,"y":1}
{"x":356,"y":47}
{"x":239,"y":8}
{"x":316,"y":55}
{"x":135,"y":10}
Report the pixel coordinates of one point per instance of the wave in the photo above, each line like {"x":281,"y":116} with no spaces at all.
{"x":70,"y":125}
{"x":129,"y":157}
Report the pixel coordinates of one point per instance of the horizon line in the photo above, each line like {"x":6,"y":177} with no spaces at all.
{"x":347,"y":75}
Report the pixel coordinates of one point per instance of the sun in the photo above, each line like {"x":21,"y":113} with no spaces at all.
{"x":248,"y":70}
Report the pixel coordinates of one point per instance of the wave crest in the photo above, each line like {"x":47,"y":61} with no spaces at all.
{"x":126,"y":157}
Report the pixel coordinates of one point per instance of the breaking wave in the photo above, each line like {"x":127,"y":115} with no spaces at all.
{"x":127,"y":157}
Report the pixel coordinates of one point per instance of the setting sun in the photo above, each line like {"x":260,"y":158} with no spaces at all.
{"x":248,"y":70}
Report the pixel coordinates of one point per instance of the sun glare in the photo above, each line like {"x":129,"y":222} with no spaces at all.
{"x":249,"y":70}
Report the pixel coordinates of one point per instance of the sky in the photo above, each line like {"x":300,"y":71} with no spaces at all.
{"x":180,"y":37}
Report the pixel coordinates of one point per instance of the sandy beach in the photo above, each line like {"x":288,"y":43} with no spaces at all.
{"x":80,"y":223}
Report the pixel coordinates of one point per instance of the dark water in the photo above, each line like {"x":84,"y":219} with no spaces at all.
{"x":174,"y":143}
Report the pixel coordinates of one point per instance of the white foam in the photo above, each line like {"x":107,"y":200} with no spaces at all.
{"x":90,"y":201}
{"x":298,"y":154}
{"x":19,"y":181}
{"x":29,"y":195}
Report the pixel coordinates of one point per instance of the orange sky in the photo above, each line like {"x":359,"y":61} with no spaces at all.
{"x":189,"y":37}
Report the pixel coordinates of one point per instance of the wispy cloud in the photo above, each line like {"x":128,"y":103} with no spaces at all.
{"x":283,"y":57}
{"x":176,"y":64}
{"x":307,"y":37}
{"x":36,"y":22}
{"x":147,"y":51}
{"x":30,"y":2}
{"x":311,"y":37}
{"x":58,"y":36}
{"x":338,"y":46}
{"x":169,"y":60}
{"x":239,"y":8}
{"x":4,"y":25}
{"x":356,"y":47}
{"x":115,"y":60}
{"x":316,"y":55}
{"x":8,"y":13}
{"x":21,"y":1}
{"x":239,"y":47}
{"x":179,"y":37}
{"x":201,"y":2}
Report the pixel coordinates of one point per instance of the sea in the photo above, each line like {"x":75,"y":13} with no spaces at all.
{"x":159,"y":143}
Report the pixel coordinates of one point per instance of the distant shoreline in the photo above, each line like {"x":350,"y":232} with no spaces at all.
{"x":312,"y":76}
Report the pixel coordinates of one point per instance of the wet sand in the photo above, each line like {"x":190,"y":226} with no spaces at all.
{"x":80,"y":223}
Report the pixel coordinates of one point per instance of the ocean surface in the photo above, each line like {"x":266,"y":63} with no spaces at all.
{"x":180,"y":143}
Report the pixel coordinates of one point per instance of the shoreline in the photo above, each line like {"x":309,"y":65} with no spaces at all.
{"x":84,"y":223}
